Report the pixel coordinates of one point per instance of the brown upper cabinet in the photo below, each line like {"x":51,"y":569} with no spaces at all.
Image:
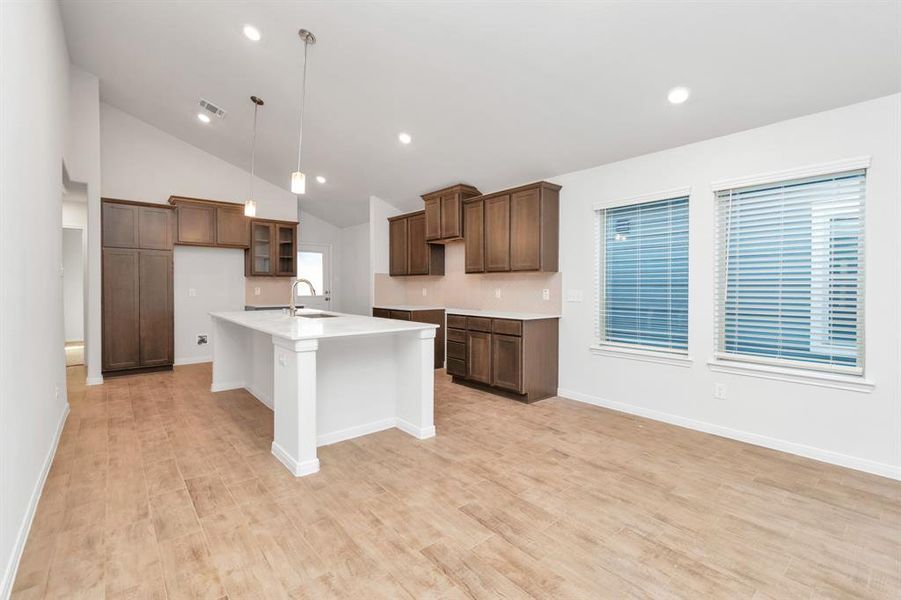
{"x":513,"y":230}
{"x":408,"y":251}
{"x":143,"y":225}
{"x":273,"y":249}
{"x":444,"y":212}
{"x":210,"y":223}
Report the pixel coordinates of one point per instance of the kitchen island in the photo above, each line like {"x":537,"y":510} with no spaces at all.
{"x":327,"y":377}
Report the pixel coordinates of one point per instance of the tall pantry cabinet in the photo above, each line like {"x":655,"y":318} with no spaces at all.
{"x":137,"y":296}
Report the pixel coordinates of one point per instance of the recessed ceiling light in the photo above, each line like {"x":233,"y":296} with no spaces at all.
{"x":203,"y":118}
{"x":320,"y":179}
{"x":678,"y":95}
{"x":252,"y":33}
{"x":404,"y":138}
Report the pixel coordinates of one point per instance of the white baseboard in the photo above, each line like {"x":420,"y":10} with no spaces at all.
{"x":9,"y":574}
{"x":297,"y":468}
{"x":422,"y":433}
{"x":827,"y":456}
{"x":225,"y":386}
{"x":94,"y":380}
{"x":193,"y":360}
{"x":354,"y":432}
{"x":264,"y":398}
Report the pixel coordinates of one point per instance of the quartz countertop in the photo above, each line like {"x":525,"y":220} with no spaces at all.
{"x":499,"y":314}
{"x":298,"y":328}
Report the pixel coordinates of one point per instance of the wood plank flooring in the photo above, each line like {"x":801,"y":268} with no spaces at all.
{"x":161,"y":489}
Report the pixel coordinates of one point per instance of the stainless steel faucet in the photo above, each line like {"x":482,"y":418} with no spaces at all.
{"x":292,"y":308}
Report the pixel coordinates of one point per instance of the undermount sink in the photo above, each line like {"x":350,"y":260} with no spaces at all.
{"x":316,"y":316}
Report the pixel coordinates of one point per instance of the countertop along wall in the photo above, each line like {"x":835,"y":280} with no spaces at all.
{"x":860,"y":430}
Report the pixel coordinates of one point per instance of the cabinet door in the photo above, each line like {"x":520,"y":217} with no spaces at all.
{"x":478,"y":356}
{"x":197,"y":224}
{"x":155,"y":228}
{"x":525,"y":231}
{"x":417,"y":247}
{"x":433,"y":218}
{"x":120,"y":225}
{"x":286,"y":251}
{"x":121,"y":309}
{"x":497,"y":234}
{"x":474,"y":238}
{"x":231,"y":227}
{"x":451,"y":222}
{"x":506,"y":362}
{"x":261,"y":242}
{"x":397,"y":247}
{"x":155,"y":285}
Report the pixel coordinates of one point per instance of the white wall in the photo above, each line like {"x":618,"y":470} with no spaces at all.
{"x":861,"y":430}
{"x":34,"y":87}
{"x":206,"y":279}
{"x":356,"y":280}
{"x":82,"y":159}
{"x":379,"y":211}
{"x":73,"y":284}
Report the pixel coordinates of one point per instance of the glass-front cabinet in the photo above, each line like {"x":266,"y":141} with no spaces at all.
{"x":273,"y":249}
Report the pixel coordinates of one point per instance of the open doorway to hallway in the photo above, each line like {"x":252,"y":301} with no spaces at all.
{"x":74,"y":246}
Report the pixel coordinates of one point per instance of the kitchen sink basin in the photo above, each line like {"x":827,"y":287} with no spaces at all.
{"x":316,"y":316}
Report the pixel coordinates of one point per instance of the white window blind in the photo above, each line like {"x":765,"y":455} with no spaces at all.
{"x":790,"y":271}
{"x":643,"y":275}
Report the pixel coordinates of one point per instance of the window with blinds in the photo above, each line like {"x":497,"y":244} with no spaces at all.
{"x":790,"y":272}
{"x":643,"y":275}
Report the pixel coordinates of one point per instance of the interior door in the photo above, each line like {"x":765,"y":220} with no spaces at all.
{"x":314,"y":263}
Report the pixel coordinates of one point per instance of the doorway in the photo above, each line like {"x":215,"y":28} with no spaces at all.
{"x":314,"y":263}
{"x":73,"y":294}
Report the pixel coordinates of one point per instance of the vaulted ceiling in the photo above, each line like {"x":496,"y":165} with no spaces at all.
{"x":493,"y":93}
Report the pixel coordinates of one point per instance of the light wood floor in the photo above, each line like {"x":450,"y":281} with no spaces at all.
{"x":160,"y":489}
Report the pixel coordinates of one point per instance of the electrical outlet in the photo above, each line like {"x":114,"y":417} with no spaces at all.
{"x":545,"y":294}
{"x":256,"y":291}
{"x":201,"y":339}
{"x":425,"y":292}
{"x":497,"y":292}
{"x":719,"y":391}
{"x":57,"y":392}
{"x":192,"y":292}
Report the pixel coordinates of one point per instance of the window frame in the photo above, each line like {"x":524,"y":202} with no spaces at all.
{"x":601,"y":346}
{"x":779,"y":368}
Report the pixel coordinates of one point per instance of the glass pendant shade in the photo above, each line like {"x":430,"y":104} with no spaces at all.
{"x":298,"y":183}
{"x":250,"y":208}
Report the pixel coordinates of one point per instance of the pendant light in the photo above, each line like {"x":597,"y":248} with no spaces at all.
{"x":298,"y":179}
{"x":250,"y":206}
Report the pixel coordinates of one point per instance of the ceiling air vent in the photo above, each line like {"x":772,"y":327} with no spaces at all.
{"x":212,"y":108}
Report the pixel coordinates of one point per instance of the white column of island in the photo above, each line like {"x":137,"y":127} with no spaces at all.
{"x":327,"y":379}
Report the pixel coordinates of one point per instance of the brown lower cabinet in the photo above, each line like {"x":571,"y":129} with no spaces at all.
{"x":137,"y":288}
{"x":509,"y":355}
{"x":433,"y":316}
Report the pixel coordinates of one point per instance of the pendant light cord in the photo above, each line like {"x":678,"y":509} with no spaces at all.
{"x":253,"y":146}
{"x":303,"y":101}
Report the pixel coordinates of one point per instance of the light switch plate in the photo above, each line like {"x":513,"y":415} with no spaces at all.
{"x":574,"y":296}
{"x":192,"y":292}
{"x":425,"y":292}
{"x":497,"y":292}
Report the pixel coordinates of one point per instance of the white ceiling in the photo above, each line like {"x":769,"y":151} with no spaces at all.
{"x":494,"y":93}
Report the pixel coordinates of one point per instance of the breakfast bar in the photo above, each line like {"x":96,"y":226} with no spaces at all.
{"x":328,"y":377}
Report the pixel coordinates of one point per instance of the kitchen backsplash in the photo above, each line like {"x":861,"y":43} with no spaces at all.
{"x":273,"y":290}
{"x":520,"y":292}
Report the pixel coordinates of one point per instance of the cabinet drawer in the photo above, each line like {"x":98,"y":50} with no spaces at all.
{"x":456,"y":350}
{"x":456,"y":335}
{"x":456,"y":321}
{"x":478,"y":324}
{"x":382,"y":313}
{"x":455,"y":366}
{"x":507,"y":327}
{"x":400,"y":315}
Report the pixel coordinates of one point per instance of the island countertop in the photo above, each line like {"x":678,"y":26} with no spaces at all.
{"x":299,"y":328}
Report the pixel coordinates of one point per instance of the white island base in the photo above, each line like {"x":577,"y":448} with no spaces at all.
{"x":327,"y":380}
